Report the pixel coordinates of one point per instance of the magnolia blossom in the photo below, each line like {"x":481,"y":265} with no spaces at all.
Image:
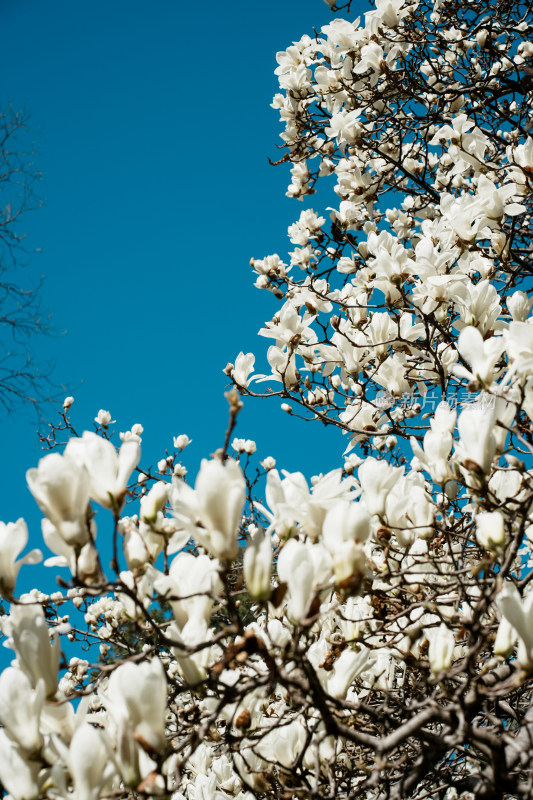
{"x":303,"y":567}
{"x":13,"y":539}
{"x":257,"y":565}
{"x":517,"y":611}
{"x":438,"y":443}
{"x":19,"y":775}
{"x":481,"y":355}
{"x":103,"y":418}
{"x":88,"y":759}
{"x":20,"y":708}
{"x":37,"y":656}
{"x":61,"y":487}
{"x":377,"y":478}
{"x":212,"y":511}
{"x":137,"y":694}
{"x":181,"y":441}
{"x":154,"y":502}
{"x":244,"y":365}
{"x":477,"y":445}
{"x":108,"y":471}
{"x":283,"y":745}
{"x":490,"y":529}
{"x":346,"y":527}
{"x":82,"y":561}
{"x":441,"y":647}
{"x":191,"y":586}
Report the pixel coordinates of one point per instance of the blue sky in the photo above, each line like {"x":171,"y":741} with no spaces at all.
{"x":153,"y":127}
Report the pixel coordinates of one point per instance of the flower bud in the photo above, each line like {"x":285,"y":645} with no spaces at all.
{"x":257,"y":565}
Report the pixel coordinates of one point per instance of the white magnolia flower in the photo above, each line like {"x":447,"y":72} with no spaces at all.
{"x":212,"y":511}
{"x":257,"y":565}
{"x":441,"y":647}
{"x":17,"y":773}
{"x":191,"y":586}
{"x":103,"y":418}
{"x":37,"y":656}
{"x":181,"y":441}
{"x":477,"y":445}
{"x":517,"y":611}
{"x":377,"y":478}
{"x":154,"y":502}
{"x":519,"y":346}
{"x":88,"y":758}
{"x":303,"y":567}
{"x":13,"y":539}
{"x":490,"y":529}
{"x":20,"y":708}
{"x":481,"y":355}
{"x":438,"y":443}
{"x":60,"y":486}
{"x":506,"y":638}
{"x":244,"y":366}
{"x":137,"y":694}
{"x":346,"y":527}
{"x":82,"y":562}
{"x":109,"y":471}
{"x":347,"y":667}
{"x":283,"y":744}
{"x":519,"y":305}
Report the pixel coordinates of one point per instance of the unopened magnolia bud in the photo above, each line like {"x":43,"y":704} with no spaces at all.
{"x":235,"y":402}
{"x":154,"y":501}
{"x":67,"y":402}
{"x":481,"y":37}
{"x":441,"y":647}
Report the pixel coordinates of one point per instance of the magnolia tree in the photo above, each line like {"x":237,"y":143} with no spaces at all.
{"x":368,"y":634}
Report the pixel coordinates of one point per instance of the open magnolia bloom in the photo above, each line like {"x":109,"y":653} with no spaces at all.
{"x":482,"y":356}
{"x":212,"y":511}
{"x":108,"y":471}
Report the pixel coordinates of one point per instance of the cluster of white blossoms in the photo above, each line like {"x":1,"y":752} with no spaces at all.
{"x":368,"y":632}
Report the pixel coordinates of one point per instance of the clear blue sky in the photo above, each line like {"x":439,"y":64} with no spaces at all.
{"x":153,"y":127}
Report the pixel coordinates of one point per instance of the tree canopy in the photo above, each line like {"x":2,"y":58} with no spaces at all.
{"x":368,"y":632}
